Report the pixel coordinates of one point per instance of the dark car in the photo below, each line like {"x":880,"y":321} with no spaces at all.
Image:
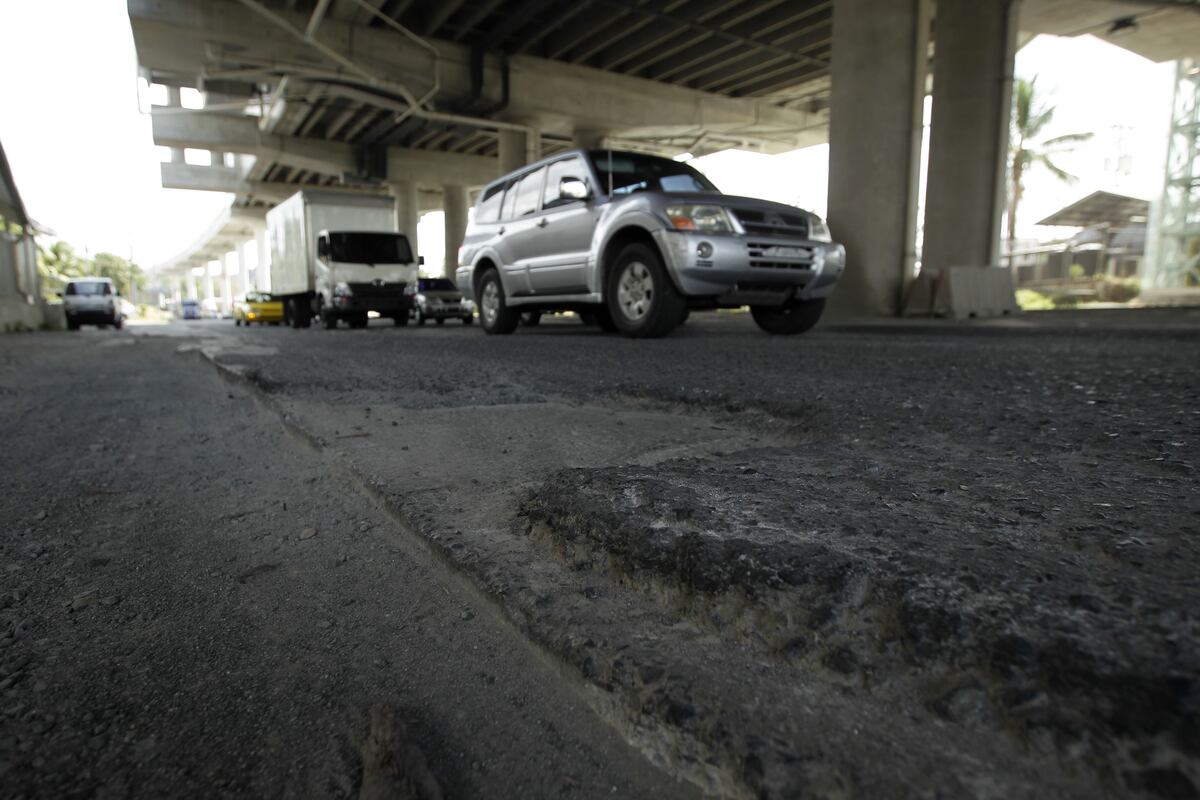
{"x":439,"y":299}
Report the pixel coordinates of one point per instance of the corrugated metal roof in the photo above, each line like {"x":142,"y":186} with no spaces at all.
{"x":1100,"y":208}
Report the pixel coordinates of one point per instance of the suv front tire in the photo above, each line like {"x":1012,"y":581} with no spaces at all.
{"x":641,"y":299}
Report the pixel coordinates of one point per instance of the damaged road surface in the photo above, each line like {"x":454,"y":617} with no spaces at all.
{"x":195,"y":603}
{"x":896,"y":562}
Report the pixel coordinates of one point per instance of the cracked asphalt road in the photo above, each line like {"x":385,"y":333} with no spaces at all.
{"x":973,"y":522}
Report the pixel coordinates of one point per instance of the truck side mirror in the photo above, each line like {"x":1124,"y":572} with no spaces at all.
{"x":59,"y":293}
{"x":572,"y":188}
{"x":421,"y":260}
{"x":323,"y":246}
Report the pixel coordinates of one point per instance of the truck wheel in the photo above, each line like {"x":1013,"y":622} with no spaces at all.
{"x":359,"y":320}
{"x":641,"y":299}
{"x":402,"y":319}
{"x":468,"y":320}
{"x":118,"y":322}
{"x":790,"y":319}
{"x":420,"y":317}
{"x":441,"y":320}
{"x":494,"y":315}
{"x":72,"y":325}
{"x":329,"y":318}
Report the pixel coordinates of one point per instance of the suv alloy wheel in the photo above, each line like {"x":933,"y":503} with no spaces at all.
{"x":641,"y":299}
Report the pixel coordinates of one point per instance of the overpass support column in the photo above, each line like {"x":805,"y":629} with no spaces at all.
{"x":243,"y":250}
{"x":514,"y":150}
{"x":175,"y":100}
{"x":227,"y":284}
{"x":408,"y":214}
{"x":880,"y":57}
{"x":588,"y":138}
{"x":968,"y":145}
{"x":454,"y":201}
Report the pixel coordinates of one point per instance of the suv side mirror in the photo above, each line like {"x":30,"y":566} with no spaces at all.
{"x":323,"y":246}
{"x":572,"y":188}
{"x":421,"y":260}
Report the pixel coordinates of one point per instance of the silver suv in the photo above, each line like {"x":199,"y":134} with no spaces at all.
{"x":635,"y":241}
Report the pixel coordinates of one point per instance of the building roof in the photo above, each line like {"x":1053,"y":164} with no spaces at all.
{"x":1100,"y":208}
{"x":11,"y":207}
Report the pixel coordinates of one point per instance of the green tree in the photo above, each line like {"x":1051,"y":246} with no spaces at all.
{"x":57,"y":264}
{"x":124,"y":273}
{"x":1030,"y":118}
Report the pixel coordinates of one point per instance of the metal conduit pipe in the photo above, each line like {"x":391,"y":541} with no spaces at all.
{"x":412,"y":107}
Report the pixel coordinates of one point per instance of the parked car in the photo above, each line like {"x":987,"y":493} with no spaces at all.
{"x":189,"y":309}
{"x":439,"y":299}
{"x":257,"y":307}
{"x":91,"y":301}
{"x":636,"y":241}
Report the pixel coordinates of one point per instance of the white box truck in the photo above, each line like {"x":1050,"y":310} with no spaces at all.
{"x":337,"y":256}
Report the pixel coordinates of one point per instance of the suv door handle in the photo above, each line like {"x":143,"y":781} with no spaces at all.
{"x":543,"y":222}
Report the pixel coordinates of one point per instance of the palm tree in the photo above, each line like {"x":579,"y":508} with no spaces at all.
{"x":1030,"y":118}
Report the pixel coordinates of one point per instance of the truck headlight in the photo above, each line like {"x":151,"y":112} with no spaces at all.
{"x":709,"y":219}
{"x":818,"y":231}
{"x":342,"y":290}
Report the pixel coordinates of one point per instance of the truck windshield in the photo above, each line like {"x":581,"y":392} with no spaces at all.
{"x":370,"y":248}
{"x":635,"y":172}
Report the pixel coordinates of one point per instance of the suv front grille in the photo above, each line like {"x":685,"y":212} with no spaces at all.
{"x":772,"y":223}
{"x":764,"y":255}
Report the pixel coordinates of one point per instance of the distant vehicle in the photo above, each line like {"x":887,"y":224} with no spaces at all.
{"x":439,"y":299}
{"x":257,"y":307}
{"x":91,"y":301}
{"x":636,"y":241}
{"x":210,"y":308}
{"x":189,"y":309}
{"x":338,"y":257}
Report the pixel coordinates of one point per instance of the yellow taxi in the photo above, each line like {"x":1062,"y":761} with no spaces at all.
{"x":257,"y":307}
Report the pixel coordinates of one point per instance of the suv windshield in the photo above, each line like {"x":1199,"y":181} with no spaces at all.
{"x":436,"y":285}
{"x":89,"y":287}
{"x":635,"y":172}
{"x":370,"y":248}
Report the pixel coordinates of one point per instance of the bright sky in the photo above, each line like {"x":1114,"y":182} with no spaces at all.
{"x":80,"y":151}
{"x":83,"y":158}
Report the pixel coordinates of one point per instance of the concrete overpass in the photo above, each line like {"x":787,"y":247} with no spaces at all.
{"x":425,"y":100}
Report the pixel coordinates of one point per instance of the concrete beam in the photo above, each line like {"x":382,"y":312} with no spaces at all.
{"x":436,"y":168}
{"x":180,"y":38}
{"x":240,"y":134}
{"x":230,"y":181}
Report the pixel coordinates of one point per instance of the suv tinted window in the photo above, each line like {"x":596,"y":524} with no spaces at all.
{"x":489,"y":204}
{"x":634,"y":172}
{"x":89,"y":287}
{"x":527,"y":191}
{"x":567,"y":168}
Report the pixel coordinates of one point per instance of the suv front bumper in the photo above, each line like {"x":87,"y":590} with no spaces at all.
{"x":740,"y":265}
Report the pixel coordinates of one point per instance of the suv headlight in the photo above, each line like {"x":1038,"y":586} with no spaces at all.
{"x":342,"y":290}
{"x":702,"y":218}
{"x":818,"y":231}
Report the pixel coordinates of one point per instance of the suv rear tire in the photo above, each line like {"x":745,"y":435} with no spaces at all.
{"x":790,"y":319}
{"x":494,"y":315}
{"x":641,"y":299}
